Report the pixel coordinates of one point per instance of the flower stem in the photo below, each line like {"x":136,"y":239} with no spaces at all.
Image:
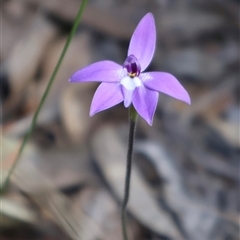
{"x":33,"y":123}
{"x":133,"y":120}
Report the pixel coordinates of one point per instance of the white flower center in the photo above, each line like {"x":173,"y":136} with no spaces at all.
{"x":130,"y":83}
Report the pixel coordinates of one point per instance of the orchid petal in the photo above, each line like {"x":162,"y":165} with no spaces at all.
{"x":128,"y":96}
{"x":103,"y":71}
{"x":165,"y":83}
{"x":145,"y":102}
{"x":143,"y":41}
{"x":107,"y":95}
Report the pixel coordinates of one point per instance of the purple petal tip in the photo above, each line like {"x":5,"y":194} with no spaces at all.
{"x":143,"y":41}
{"x":188,"y":100}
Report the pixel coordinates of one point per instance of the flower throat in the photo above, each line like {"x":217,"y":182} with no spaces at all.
{"x":132,"y":66}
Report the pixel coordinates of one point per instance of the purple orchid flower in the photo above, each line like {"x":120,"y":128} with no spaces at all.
{"x":128,"y":83}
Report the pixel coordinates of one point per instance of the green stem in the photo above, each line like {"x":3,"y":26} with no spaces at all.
{"x":33,"y":123}
{"x":133,"y":120}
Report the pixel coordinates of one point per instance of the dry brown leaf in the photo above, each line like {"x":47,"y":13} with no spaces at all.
{"x":60,"y":209}
{"x":110,"y":155}
{"x":75,"y":104}
{"x":100,"y":206}
{"x":192,"y":212}
{"x":25,"y":57}
{"x":13,"y":213}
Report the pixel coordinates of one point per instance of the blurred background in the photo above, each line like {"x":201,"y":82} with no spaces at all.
{"x":69,"y":181}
